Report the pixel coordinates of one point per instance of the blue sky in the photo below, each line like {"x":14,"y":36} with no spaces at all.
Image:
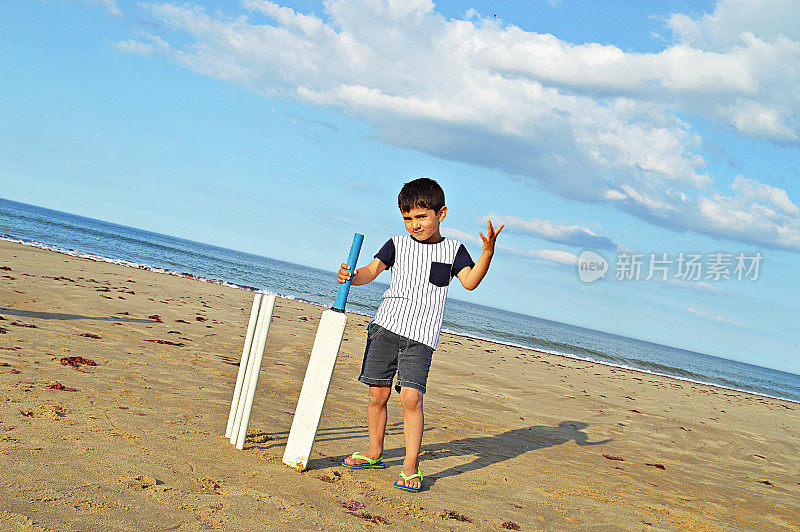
{"x":280,"y":128}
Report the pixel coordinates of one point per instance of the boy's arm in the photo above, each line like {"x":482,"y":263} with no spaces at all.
{"x":471,"y":277}
{"x":362,"y":275}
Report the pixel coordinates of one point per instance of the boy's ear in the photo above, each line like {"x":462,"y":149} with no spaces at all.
{"x":442,"y":213}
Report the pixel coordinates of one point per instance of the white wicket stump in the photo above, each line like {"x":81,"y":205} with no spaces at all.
{"x":249,"y":368}
{"x":248,"y":344}
{"x":315,"y":388}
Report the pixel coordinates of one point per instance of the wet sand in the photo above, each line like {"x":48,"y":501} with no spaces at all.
{"x":115,"y":386}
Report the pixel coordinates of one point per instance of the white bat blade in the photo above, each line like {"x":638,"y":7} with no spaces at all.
{"x":315,"y":389}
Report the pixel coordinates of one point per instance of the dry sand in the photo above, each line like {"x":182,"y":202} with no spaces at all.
{"x":513,"y":437}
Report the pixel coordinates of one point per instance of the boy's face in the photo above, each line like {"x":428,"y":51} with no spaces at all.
{"x":423,"y":224}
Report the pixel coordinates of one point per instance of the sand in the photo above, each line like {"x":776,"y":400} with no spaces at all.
{"x":513,"y":438}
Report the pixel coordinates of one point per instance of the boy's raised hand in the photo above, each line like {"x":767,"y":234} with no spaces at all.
{"x":344,"y":273}
{"x":491,"y":236}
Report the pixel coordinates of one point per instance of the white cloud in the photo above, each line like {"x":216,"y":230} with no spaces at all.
{"x":549,"y":255}
{"x":553,"y":255}
{"x":654,"y":205}
{"x":297,"y":119}
{"x":471,"y":13}
{"x":132,"y":46}
{"x":723,"y":28}
{"x":762,"y":37}
{"x":753,"y":222}
{"x":589,"y":122}
{"x":756,"y":213}
{"x":345,"y":220}
{"x":461,"y":235}
{"x":558,"y":232}
{"x":698,"y":287}
{"x":759,"y":121}
{"x":714,"y":317}
{"x":757,"y":192}
{"x":146,"y":49}
{"x":109,"y":5}
{"x":754,"y":73}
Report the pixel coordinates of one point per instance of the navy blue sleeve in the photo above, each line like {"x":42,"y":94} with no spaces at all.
{"x":462,"y":260}
{"x":386,"y":254}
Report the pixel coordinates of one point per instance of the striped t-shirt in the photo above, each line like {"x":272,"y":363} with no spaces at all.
{"x":413,"y":305}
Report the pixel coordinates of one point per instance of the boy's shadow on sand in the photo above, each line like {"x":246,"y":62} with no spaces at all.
{"x":490,"y":450}
{"x":62,"y":316}
{"x":278,"y":439}
{"x":487,"y":450}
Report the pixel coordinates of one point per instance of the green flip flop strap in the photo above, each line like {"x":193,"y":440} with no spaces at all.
{"x":370,"y":461}
{"x":409,"y":477}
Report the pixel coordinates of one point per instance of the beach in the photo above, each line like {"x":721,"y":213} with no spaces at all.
{"x":116,"y":384}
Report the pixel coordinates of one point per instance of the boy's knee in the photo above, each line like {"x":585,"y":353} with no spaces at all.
{"x":411,"y":398}
{"x":379,"y":395}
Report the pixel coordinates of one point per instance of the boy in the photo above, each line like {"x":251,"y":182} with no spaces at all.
{"x":405,"y":331}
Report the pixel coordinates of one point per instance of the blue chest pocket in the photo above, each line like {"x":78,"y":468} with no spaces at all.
{"x":440,"y":273}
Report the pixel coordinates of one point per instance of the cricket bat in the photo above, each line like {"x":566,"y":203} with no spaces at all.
{"x":318,"y":374}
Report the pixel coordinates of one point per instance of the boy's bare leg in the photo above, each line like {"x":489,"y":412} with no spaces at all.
{"x":413,"y":423}
{"x":376,"y":421}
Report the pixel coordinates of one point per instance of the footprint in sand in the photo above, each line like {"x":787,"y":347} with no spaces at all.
{"x":48,"y":412}
{"x":352,"y":505}
{"x":77,"y":362}
{"x":28,"y":325}
{"x":146,"y":483}
{"x":208,"y":485}
{"x":452,"y":514}
{"x":58,"y":386}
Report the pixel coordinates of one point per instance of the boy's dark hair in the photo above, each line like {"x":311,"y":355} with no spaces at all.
{"x":423,"y":192}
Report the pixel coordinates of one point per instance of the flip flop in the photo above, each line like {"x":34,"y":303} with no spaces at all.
{"x":407,"y":478}
{"x":371,"y":464}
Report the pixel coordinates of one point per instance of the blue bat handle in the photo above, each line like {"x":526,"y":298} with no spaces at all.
{"x":344,"y":289}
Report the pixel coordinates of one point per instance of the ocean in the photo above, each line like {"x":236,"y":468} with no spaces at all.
{"x":86,"y":237}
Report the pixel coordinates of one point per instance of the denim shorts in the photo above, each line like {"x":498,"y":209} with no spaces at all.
{"x":387,"y":353}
